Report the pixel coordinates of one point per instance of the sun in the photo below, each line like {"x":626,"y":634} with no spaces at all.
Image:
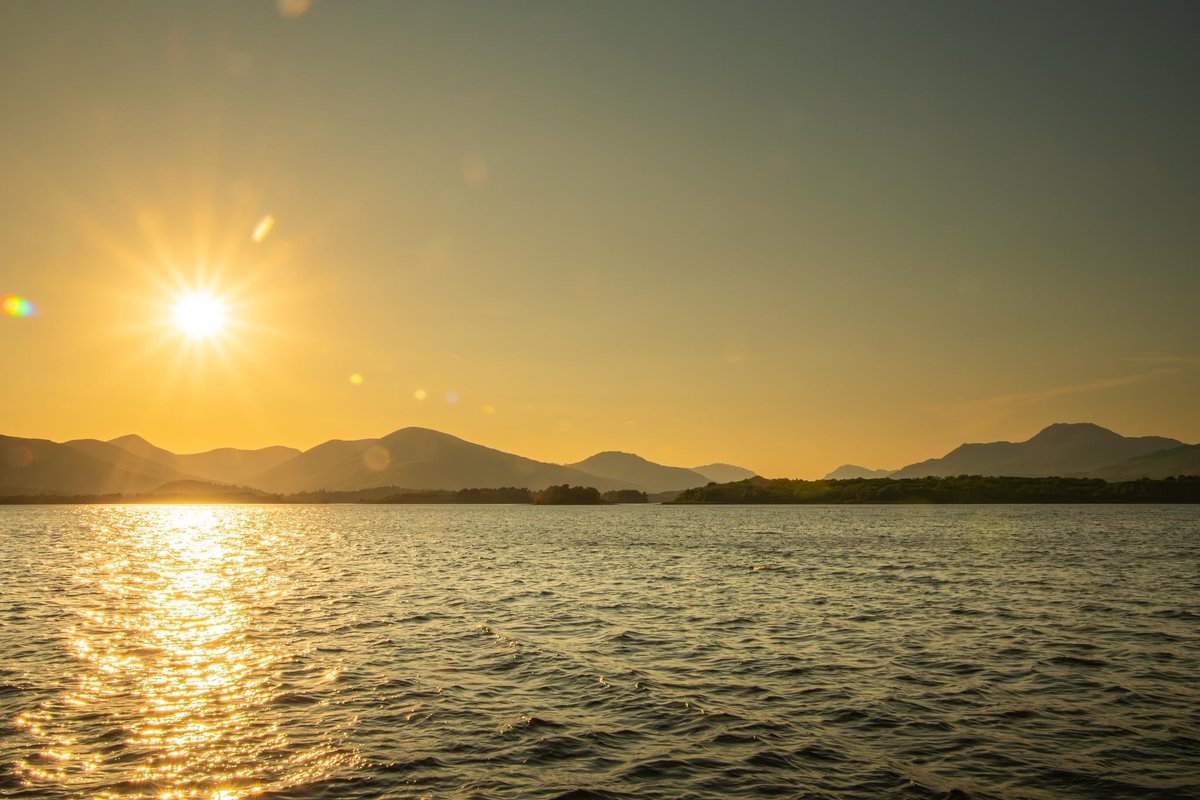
{"x":199,"y":315}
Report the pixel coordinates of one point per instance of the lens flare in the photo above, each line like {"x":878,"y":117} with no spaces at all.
{"x":15,"y":306}
{"x":199,"y":315}
{"x":377,"y":457}
{"x":263,"y":230}
{"x":291,"y":9}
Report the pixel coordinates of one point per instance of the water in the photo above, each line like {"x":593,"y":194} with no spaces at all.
{"x":640,"y":652}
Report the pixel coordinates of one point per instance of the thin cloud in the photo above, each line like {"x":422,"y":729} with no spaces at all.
{"x":1182,"y":361}
{"x":1003,"y":403}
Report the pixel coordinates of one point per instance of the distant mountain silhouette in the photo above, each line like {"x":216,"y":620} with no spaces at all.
{"x":84,"y":466}
{"x":423,"y":459}
{"x":132,"y":443}
{"x":224,"y":465}
{"x":417,"y":458}
{"x":1182,"y":460}
{"x":1060,"y":449}
{"x":724,"y":473}
{"x":638,"y":472}
{"x":848,"y":471}
{"x":124,"y":460}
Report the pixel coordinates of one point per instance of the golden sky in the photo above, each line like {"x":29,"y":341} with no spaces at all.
{"x":786,"y":236}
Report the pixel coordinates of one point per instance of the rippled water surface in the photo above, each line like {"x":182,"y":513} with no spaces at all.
{"x":641,"y":652}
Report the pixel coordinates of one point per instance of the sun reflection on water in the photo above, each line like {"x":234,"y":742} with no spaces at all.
{"x":167,"y":650}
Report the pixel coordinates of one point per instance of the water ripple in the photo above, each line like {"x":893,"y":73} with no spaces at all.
{"x":629,"y":652}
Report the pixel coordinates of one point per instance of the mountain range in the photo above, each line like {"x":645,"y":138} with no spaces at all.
{"x":422,"y":459}
{"x":1182,"y":460}
{"x":635,"y":470}
{"x":409,"y":458}
{"x":1079,"y":449}
{"x":724,"y":473}
{"x":848,"y":471}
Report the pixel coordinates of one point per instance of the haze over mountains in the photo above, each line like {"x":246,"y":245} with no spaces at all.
{"x":637,"y":471}
{"x":848,"y":471}
{"x":724,"y":473}
{"x":421,"y":459}
{"x":410,"y":458}
{"x":224,"y":465}
{"x":1182,"y":460}
{"x":39,"y":466}
{"x":1064,"y":449}
{"x":1079,"y":449}
{"x":418,"y":458}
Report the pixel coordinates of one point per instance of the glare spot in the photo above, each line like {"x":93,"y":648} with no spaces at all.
{"x":356,"y":379}
{"x":18,"y":457}
{"x":451,"y":396}
{"x":489,"y":410}
{"x":377,"y":457}
{"x":419,"y":394}
{"x":15,"y":306}
{"x":290,"y":9}
{"x":263,"y":229}
{"x":199,"y":315}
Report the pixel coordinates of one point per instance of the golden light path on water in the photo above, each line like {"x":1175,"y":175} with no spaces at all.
{"x":165,"y":641}
{"x":638,"y":651}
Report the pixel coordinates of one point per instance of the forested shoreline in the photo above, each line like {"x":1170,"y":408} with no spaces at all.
{"x":959,"y":489}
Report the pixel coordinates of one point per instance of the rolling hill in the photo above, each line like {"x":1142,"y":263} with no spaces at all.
{"x":223,"y":465}
{"x":850,"y":471}
{"x":85,"y":466}
{"x":417,"y":458}
{"x":638,"y":472}
{"x":1182,"y":460}
{"x":1061,"y":449}
{"x":724,"y":473}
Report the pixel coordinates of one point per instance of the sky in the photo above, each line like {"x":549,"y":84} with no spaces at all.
{"x":783,"y":235}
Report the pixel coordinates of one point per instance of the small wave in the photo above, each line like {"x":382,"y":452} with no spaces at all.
{"x":1175,"y":613}
{"x":410,"y":765}
{"x":296,"y":699}
{"x":557,"y":748}
{"x":660,"y":768}
{"x":1076,"y":661}
{"x":593,"y":794}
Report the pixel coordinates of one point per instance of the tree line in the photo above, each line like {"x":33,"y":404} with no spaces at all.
{"x":958,"y":489}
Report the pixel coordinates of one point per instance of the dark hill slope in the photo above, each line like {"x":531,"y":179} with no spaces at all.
{"x":724,"y":473}
{"x":1182,"y":460}
{"x":849,"y":471}
{"x":417,"y":458}
{"x":39,"y":466}
{"x":1060,"y":449}
{"x":637,"y":471}
{"x":224,"y":465}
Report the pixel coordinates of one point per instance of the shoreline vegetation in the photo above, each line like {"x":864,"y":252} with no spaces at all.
{"x":962,"y":489}
{"x":198,"y":492}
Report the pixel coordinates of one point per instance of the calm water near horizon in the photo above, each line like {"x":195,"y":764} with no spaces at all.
{"x":599,"y":652}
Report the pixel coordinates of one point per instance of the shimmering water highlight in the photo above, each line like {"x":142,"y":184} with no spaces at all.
{"x":649,"y":652}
